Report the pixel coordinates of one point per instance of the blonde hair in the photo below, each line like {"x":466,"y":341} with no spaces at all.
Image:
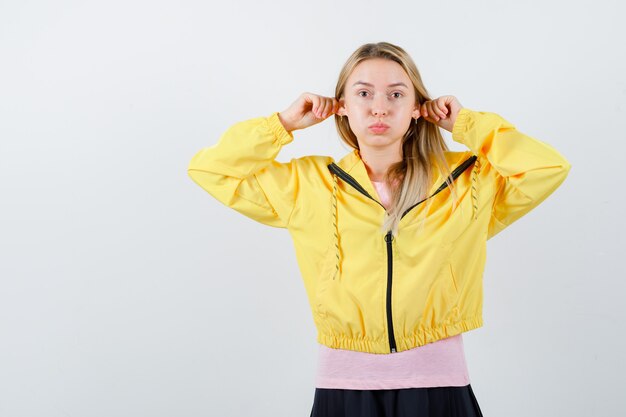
{"x":422,"y":145}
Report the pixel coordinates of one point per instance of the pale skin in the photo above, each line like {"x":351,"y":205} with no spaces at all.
{"x":371,"y":96}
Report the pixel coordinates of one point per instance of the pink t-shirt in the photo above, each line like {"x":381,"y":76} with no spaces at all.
{"x":438,"y":364}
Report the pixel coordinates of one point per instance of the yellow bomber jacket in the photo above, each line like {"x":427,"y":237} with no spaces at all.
{"x":370,"y":291}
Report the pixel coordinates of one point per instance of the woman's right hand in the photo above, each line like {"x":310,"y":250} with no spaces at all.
{"x":307,"y":110}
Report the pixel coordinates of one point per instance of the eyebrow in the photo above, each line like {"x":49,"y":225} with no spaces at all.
{"x":372,"y":85}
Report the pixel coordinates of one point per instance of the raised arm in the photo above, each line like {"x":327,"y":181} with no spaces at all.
{"x":527,"y":170}
{"x":231,"y":170}
{"x":241,"y":172}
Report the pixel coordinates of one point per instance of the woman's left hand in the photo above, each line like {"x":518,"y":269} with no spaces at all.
{"x":441,"y":111}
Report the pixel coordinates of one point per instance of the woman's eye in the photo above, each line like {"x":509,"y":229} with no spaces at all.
{"x":360,"y":93}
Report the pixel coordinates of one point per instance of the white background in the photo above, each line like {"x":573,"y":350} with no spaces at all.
{"x":126,"y":290}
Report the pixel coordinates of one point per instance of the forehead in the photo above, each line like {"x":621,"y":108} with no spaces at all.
{"x":380,"y":72}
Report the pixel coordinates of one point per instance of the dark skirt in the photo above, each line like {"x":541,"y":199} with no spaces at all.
{"x":405,"y":402}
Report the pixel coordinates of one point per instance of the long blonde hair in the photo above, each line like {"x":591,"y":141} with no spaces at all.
{"x":422,"y":145}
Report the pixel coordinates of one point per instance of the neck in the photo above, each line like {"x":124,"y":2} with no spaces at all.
{"x":378,"y":161}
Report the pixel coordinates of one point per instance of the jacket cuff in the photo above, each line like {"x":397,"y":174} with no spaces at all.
{"x":461,"y":124}
{"x":281,"y":135}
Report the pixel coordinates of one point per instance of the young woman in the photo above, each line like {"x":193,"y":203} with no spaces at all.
{"x":391,"y":239}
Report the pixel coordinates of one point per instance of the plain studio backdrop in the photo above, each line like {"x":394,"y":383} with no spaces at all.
{"x":127,"y":290}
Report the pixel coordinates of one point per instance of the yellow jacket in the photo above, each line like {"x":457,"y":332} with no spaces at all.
{"x":369,"y":291}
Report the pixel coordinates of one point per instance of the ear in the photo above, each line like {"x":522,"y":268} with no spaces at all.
{"x":416,"y":113}
{"x":341,"y":110}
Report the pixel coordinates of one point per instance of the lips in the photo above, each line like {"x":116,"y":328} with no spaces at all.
{"x":378,"y":128}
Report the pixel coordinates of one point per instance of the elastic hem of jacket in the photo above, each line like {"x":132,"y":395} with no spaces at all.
{"x":283,"y":136}
{"x":460,"y":124}
{"x":402,"y":343}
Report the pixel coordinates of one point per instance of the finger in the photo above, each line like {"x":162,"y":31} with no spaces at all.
{"x":327,"y":106}
{"x":320,"y":109}
{"x":438,"y":107}
{"x":319,"y":106}
{"x":432,"y":112}
{"x":424,"y":111}
{"x":331,"y":106}
{"x":309,"y":99}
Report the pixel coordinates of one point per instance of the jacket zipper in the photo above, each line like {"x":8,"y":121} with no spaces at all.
{"x":392,"y":339}
{"x":389,"y":237}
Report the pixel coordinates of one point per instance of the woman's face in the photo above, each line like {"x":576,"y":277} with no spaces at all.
{"x":379,"y":91}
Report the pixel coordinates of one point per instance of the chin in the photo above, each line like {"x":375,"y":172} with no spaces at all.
{"x":379,"y":142}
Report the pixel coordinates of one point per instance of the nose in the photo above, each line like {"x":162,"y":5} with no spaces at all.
{"x":379,"y":107}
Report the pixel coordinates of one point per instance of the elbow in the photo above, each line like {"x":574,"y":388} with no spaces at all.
{"x":190,"y":174}
{"x":565,"y":164}
{"x":558,"y":177}
{"x":196,"y":162}
{"x":565,"y":168}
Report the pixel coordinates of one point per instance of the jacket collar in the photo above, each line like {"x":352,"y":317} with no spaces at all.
{"x":354,"y":165}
